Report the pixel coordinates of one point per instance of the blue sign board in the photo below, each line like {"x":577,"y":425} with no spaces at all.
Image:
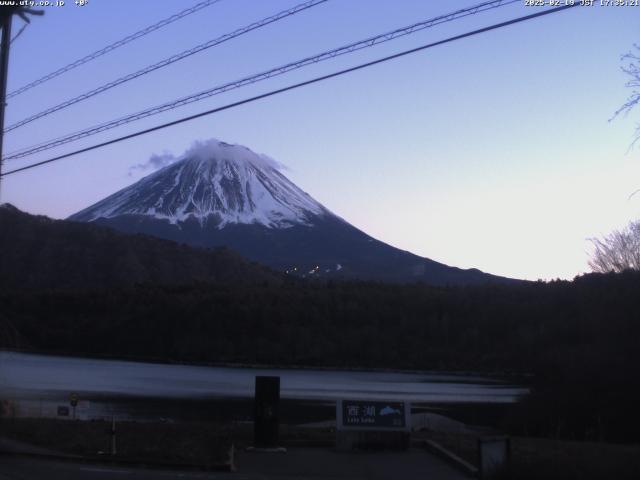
{"x":373,"y":414}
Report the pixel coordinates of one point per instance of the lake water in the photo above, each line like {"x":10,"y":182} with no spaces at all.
{"x":27,"y":375}
{"x":41,"y":383}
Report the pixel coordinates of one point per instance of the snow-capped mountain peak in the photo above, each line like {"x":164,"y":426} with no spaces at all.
{"x":218,"y":194}
{"x":213,"y":182}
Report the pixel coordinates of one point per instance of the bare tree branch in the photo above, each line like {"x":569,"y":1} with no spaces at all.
{"x":618,"y":251}
{"x":632,"y":69}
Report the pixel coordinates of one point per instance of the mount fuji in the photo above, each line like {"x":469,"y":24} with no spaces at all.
{"x":226,"y":195}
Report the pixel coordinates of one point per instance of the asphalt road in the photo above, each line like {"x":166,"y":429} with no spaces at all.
{"x":320,"y":464}
{"x":26,"y":468}
{"x":298,"y":464}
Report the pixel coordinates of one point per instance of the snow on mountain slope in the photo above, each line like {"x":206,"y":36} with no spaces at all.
{"x":214,"y":182}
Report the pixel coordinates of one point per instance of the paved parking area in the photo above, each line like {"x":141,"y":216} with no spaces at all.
{"x":317,"y":463}
{"x":299,"y":464}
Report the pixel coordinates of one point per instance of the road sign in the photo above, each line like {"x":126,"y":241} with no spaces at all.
{"x":73,"y":399}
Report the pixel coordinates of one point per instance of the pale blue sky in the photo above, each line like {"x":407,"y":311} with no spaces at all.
{"x":492,"y":152}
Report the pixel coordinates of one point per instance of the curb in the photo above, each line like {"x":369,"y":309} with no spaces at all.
{"x":100,"y":460}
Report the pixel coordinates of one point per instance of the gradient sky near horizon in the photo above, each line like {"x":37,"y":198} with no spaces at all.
{"x":492,"y":152}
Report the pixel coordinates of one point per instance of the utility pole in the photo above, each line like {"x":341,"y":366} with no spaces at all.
{"x":6,"y":16}
{"x":4,"y":67}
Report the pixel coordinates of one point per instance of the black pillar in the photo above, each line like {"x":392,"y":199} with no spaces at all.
{"x":266,"y":415}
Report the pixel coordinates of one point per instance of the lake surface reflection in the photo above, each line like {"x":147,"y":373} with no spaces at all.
{"x":30,"y":376}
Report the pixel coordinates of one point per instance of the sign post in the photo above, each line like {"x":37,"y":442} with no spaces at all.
{"x":112,"y":432}
{"x":73,"y":401}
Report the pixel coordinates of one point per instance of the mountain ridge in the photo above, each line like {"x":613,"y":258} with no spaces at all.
{"x":61,"y":255}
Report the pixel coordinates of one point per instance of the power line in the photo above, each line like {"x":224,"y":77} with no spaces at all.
{"x":114,"y":45}
{"x":168,"y":61}
{"x":295,"y":86}
{"x":369,"y":42}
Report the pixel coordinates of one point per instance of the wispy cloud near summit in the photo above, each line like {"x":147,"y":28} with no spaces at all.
{"x":204,"y":149}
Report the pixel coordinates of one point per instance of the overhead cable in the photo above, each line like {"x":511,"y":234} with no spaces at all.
{"x":346,"y":49}
{"x":111,"y":47}
{"x":293,"y":87}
